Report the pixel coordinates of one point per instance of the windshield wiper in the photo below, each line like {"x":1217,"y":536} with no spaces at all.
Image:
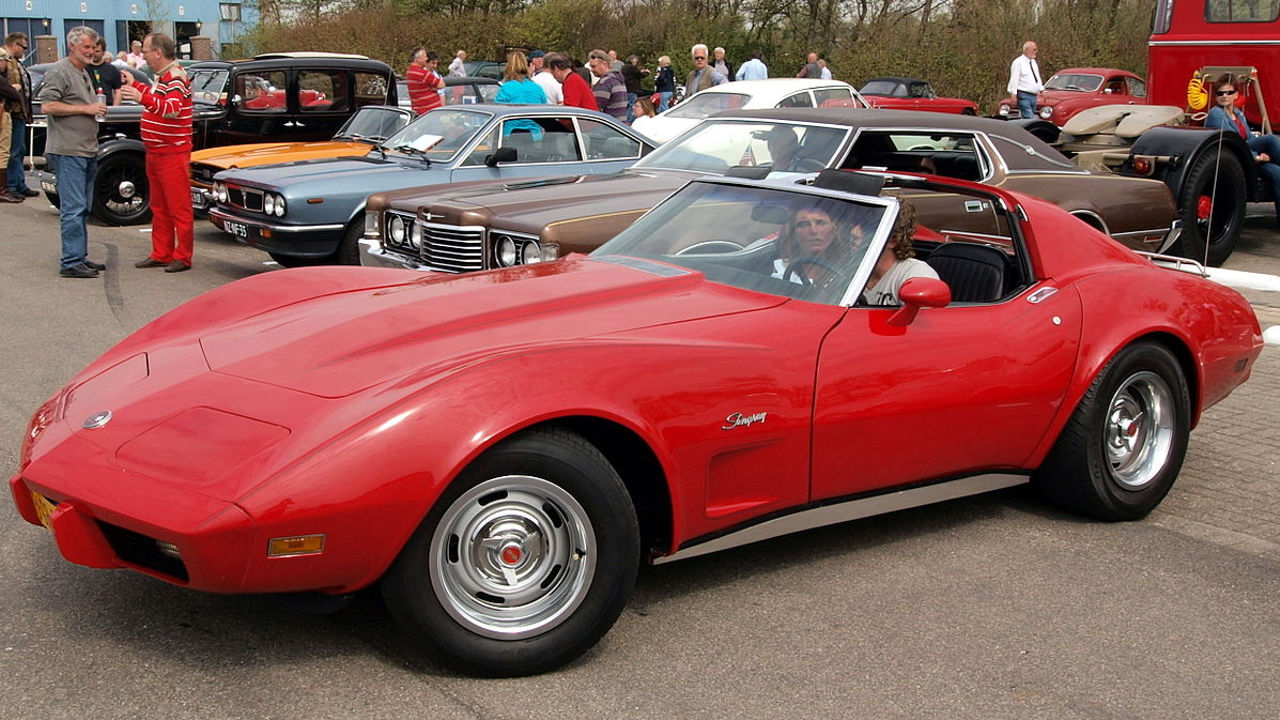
{"x":410,"y":149}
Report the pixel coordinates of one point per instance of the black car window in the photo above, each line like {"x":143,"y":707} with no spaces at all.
{"x":950,"y":154}
{"x":264,"y":92}
{"x":800,"y":99}
{"x":371,"y":89}
{"x":323,"y":91}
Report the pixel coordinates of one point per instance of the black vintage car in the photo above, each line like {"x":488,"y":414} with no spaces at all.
{"x":294,"y":96}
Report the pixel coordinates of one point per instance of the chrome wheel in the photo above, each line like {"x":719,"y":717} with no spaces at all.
{"x":1139,"y":429}
{"x":513,"y":557}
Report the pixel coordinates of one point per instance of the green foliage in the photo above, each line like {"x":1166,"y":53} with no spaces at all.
{"x":963,"y":47}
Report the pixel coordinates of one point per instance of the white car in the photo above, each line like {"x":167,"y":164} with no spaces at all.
{"x":749,"y":95}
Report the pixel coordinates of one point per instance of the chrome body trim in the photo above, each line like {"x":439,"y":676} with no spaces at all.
{"x":372,"y":255}
{"x":849,"y":510}
{"x":219,"y":214}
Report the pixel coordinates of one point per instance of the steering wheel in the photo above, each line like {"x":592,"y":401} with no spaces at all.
{"x":710,"y":247}
{"x":829,"y":272}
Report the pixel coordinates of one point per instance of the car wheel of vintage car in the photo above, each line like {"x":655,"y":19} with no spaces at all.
{"x":524,"y":563}
{"x":348,"y":252}
{"x":1212,"y":211}
{"x":120,"y":192}
{"x":1124,"y":445}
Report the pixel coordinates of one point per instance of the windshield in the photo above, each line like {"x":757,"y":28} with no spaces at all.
{"x":715,"y":146}
{"x":372,"y":123}
{"x":439,"y":134}
{"x":791,"y":244}
{"x":208,"y":86}
{"x":890,"y":88}
{"x":708,"y":103}
{"x":1074,"y":82}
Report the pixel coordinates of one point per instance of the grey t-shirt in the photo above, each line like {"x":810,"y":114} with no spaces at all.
{"x":75,"y":135}
{"x":885,"y":292}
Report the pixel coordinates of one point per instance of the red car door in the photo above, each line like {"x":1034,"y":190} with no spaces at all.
{"x":962,"y":388}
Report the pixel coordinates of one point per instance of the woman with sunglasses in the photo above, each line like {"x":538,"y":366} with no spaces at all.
{"x":1228,"y":117}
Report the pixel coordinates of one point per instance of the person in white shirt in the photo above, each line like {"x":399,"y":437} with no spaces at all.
{"x":753,"y":69}
{"x":897,"y":263}
{"x":456,"y":66}
{"x":1025,"y":80}
{"x":550,"y":86}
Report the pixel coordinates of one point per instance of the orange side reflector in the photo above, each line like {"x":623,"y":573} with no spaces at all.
{"x":299,"y":545}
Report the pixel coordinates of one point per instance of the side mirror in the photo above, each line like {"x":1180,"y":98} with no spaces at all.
{"x":501,"y":155}
{"x":920,"y":292}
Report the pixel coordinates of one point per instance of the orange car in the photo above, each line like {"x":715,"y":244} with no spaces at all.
{"x":370,"y":125}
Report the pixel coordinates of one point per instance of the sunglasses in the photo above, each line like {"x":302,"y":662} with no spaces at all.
{"x":699,"y":57}
{"x":1226,"y":92}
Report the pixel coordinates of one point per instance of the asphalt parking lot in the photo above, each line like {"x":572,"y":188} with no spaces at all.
{"x":989,"y":607}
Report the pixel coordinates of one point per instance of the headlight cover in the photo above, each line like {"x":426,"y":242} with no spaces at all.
{"x":395,"y":228}
{"x":506,"y":251}
{"x":279,"y":206}
{"x":1046,"y":112}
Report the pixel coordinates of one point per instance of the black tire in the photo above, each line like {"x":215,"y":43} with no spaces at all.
{"x":969,"y":111}
{"x":1222,"y":224}
{"x":121,"y":195}
{"x":524,"y":563}
{"x":1123,"y":447}
{"x":348,"y":252}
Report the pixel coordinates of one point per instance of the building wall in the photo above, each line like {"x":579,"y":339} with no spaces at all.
{"x":121,"y":20}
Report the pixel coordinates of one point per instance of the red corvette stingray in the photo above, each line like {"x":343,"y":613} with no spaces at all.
{"x":502,"y":450}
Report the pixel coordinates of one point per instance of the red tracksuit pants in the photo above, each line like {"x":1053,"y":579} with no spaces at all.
{"x":172,"y":224}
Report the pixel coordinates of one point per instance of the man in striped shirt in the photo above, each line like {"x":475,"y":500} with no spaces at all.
{"x":423,"y":81}
{"x":166,"y":133}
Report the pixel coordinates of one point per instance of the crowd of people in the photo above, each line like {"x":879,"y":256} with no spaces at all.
{"x":627,"y":90}
{"x":74,"y":95}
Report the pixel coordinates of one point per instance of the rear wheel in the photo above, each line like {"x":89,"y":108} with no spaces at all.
{"x":1123,"y":446}
{"x":1212,"y":212}
{"x":348,"y":252}
{"x":121,"y":195}
{"x":525,"y":561}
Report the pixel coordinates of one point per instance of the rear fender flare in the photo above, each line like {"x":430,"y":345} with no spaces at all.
{"x":1190,"y":145}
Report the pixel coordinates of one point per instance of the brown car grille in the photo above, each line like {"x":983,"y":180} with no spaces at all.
{"x":454,"y":249}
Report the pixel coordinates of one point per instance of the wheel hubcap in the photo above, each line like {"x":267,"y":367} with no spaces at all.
{"x":126,"y":190}
{"x":513,"y":557}
{"x":1139,"y":430}
{"x":1204,"y":207}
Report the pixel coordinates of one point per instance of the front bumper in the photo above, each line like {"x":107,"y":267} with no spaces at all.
{"x":305,"y":241}
{"x":373,"y":255}
{"x":201,"y":200}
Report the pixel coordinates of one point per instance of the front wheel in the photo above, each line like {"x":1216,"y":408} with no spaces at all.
{"x":525,"y":561}
{"x":1212,"y":211}
{"x":1123,"y":447}
{"x":121,"y":195}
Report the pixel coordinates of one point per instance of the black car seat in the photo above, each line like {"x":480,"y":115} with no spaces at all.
{"x":975,"y":273}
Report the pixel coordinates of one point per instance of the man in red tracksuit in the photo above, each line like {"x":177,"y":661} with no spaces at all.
{"x":166,"y":133}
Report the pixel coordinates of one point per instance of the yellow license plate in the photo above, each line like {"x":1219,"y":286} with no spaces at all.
{"x":44,"y":508}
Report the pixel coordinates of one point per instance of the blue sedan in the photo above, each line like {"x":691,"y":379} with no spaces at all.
{"x":312,"y":211}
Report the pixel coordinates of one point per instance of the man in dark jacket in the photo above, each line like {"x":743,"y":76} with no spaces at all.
{"x":15,"y":111}
{"x":633,"y":75}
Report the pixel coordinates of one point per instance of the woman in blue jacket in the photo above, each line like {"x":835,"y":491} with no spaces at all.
{"x":1227,"y":117}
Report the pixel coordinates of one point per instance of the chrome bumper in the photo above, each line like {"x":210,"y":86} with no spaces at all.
{"x":372,"y":255}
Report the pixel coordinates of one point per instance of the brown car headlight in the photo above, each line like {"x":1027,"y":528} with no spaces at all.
{"x":506,"y":251}
{"x":396,"y":229}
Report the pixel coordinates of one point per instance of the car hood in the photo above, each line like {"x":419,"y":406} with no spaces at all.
{"x":267,"y":153}
{"x":354,"y":175}
{"x":530,"y":205}
{"x":338,"y":344}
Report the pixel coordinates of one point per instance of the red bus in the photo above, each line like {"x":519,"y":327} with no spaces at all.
{"x":1193,"y":39}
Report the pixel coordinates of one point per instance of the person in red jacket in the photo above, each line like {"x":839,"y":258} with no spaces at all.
{"x":166,"y":134}
{"x":577,"y":93}
{"x":422,"y":80}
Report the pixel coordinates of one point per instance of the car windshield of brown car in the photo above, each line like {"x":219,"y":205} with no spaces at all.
{"x":717,"y":145}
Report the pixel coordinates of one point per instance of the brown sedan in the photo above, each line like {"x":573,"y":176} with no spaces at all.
{"x":477,"y":226}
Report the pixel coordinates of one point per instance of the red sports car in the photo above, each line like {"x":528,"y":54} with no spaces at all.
{"x":1074,"y":89}
{"x":900,"y":93}
{"x":502,"y":450}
